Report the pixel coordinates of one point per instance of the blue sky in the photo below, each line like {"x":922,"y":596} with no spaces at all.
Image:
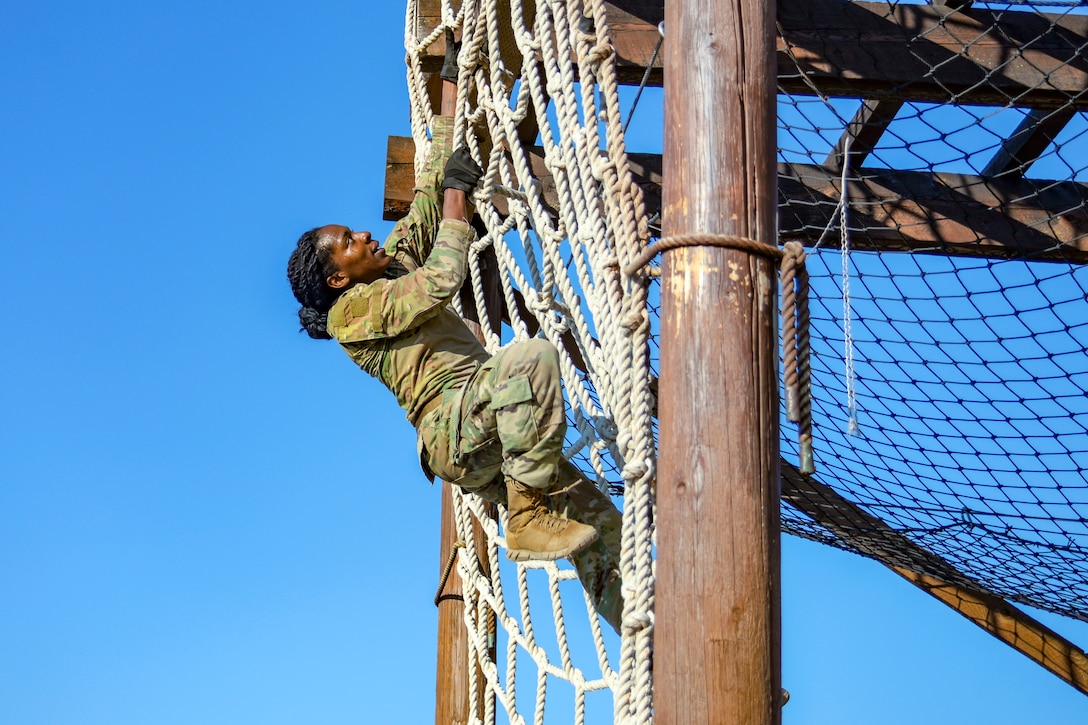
{"x":208,"y":517}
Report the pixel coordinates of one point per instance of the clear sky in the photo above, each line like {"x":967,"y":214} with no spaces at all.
{"x":207,"y":517}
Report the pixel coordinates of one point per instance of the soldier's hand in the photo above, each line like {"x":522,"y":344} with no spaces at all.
{"x":461,"y":171}
{"x":449,"y":63}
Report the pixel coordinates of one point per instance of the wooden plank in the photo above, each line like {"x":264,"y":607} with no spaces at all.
{"x":717,"y":625}
{"x":928,"y":53}
{"x":953,"y":4}
{"x":1028,"y":142}
{"x":1013,"y":626}
{"x":453,"y":670}
{"x":939,"y":213}
{"x":400,"y":177}
{"x":863,"y":132}
{"x":871,"y":537}
{"x":900,"y":211}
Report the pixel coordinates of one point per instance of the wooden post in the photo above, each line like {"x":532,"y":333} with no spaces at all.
{"x":717,"y":632}
{"x":453,"y":700}
{"x":453,"y":697}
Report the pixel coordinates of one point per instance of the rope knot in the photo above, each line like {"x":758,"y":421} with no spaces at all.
{"x":634,"y":319}
{"x":599,"y":53}
{"x":636,"y":470}
{"x":637,"y":621}
{"x":537,"y":303}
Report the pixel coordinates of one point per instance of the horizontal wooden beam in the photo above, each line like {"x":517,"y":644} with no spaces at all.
{"x":928,"y":53}
{"x":939,"y":213}
{"x":871,"y":537}
{"x":889,"y":210}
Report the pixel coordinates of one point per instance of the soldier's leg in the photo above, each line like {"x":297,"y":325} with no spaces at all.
{"x":586,"y":503}
{"x":530,"y":418}
{"x":598,"y":564}
{"x":524,"y":387}
{"x":600,"y":577}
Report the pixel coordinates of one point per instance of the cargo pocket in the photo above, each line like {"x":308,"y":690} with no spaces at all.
{"x":478,"y":454}
{"x":476,"y":428}
{"x":515,"y":415}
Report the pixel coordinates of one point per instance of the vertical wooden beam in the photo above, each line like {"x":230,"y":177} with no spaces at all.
{"x":453,"y":697}
{"x":453,"y":701}
{"x":453,"y":693}
{"x":717,"y":626}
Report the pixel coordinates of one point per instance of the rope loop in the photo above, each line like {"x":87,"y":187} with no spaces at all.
{"x":795,"y":318}
{"x":446,"y":571}
{"x":796,"y":349}
{"x":701,"y":240}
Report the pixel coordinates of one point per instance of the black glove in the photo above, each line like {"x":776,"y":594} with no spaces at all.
{"x":461,"y":171}
{"x":449,"y":63}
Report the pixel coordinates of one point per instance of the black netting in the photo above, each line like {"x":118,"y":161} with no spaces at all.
{"x":963,"y":138}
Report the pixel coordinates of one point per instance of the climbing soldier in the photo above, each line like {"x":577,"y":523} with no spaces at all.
{"x":492,"y":425}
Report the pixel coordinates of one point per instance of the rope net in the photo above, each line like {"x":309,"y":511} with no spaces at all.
{"x":538,"y":96}
{"x":932,"y":159}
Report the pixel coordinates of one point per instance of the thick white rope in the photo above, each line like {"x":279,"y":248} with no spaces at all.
{"x":520,"y":58}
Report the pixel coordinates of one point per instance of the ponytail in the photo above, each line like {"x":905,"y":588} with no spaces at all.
{"x":307,"y":269}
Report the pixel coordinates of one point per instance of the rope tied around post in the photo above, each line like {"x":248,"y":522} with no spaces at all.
{"x":446,"y":571}
{"x":796,"y":367}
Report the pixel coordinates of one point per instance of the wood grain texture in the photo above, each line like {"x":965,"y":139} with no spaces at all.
{"x":932,"y":53}
{"x":910,"y":211}
{"x":717,"y":630}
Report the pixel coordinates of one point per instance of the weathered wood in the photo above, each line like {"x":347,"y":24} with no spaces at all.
{"x":717,"y":631}
{"x":926,"y":53}
{"x":863,"y":132}
{"x":953,"y":4}
{"x":1028,"y":142}
{"x":939,"y":213}
{"x":453,"y":695}
{"x":872,"y":537}
{"x":929,"y":53}
{"x":400,"y":179}
{"x":912,"y":211}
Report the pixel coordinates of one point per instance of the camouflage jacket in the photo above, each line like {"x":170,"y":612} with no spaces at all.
{"x":399,"y":328}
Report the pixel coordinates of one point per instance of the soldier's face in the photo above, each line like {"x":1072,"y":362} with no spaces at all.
{"x":357,"y":257}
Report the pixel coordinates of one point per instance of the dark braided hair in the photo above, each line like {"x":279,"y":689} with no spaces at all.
{"x":307,"y":269}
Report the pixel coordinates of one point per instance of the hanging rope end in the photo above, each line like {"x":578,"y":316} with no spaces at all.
{"x":808,"y":465}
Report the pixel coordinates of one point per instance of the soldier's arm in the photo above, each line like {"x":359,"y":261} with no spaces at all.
{"x":386,"y":308}
{"x":411,"y":300}
{"x":412,"y":237}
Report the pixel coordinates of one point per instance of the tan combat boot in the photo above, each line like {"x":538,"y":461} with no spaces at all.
{"x":536,"y":532}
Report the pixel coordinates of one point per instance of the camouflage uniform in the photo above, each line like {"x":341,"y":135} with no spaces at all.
{"x":476,"y":415}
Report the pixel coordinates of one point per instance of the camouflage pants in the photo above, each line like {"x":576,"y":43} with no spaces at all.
{"x":510,"y":419}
